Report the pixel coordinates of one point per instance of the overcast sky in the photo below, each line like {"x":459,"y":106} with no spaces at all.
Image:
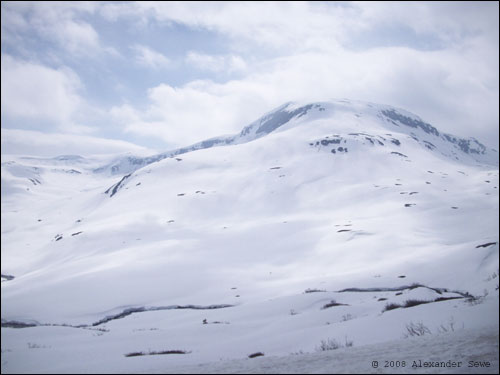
{"x":100,"y":77}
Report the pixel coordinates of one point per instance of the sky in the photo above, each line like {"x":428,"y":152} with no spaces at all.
{"x":146,"y":77}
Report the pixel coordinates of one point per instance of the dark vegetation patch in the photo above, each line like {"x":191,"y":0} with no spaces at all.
{"x":35,"y":181}
{"x":314,"y":290}
{"x":16,"y":324}
{"x":326,"y":142}
{"x":253,"y":355}
{"x":137,"y":354}
{"x":399,"y":154}
{"x":214,"y":322}
{"x":429,"y":145}
{"x":439,"y":299}
{"x":486,"y":244}
{"x":332,"y":303}
{"x":114,"y":188}
{"x":405,"y":287}
{"x":391,"y":306}
{"x":415,"y":302}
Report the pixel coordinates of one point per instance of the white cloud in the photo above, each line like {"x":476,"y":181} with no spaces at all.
{"x":60,"y":23}
{"x":276,"y":24}
{"x":150,"y":58}
{"x":36,"y":92}
{"x":451,"y":21}
{"x":29,"y":142}
{"x":76,"y":37}
{"x":300,"y":26}
{"x":216,"y":63}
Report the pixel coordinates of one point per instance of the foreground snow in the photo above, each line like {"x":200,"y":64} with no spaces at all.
{"x":472,"y":352}
{"x":460,"y":351}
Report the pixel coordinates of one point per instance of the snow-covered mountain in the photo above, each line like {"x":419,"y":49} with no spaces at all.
{"x":388,"y":119}
{"x":342,"y":220}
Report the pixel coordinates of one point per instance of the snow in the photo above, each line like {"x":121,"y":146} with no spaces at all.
{"x":246,"y":229}
{"x":465,"y":352}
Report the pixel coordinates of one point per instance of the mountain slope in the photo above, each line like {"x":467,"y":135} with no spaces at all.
{"x":353,"y":202}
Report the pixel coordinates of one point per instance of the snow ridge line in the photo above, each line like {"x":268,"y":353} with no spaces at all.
{"x":133,"y":310}
{"x":123,"y":314}
{"x":410,"y":287}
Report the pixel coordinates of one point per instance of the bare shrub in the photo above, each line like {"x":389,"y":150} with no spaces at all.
{"x":329,"y":344}
{"x":332,"y":344}
{"x":348,"y":343}
{"x":416,"y":329}
{"x":449,"y":327}
{"x":347,"y":317}
{"x":475,"y":300}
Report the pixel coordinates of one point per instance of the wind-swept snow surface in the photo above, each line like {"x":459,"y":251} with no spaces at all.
{"x":342,"y":221}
